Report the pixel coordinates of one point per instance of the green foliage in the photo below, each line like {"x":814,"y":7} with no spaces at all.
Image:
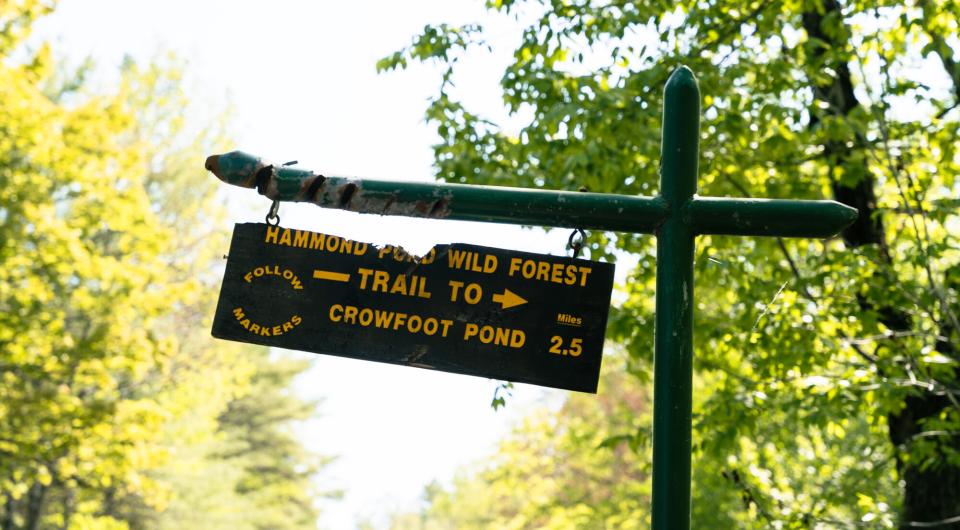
{"x":558,"y":469}
{"x":823,"y":366}
{"x":117,"y":410}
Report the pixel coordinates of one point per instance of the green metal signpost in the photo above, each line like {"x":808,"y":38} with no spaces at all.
{"x":676,"y":217}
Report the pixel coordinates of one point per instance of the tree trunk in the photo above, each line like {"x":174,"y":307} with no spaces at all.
{"x":68,"y":506}
{"x":8,"y":508}
{"x":35,"y":506}
{"x":931,"y":494}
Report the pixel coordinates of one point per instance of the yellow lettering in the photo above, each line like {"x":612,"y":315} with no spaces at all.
{"x":380,"y":279}
{"x":272,"y":232}
{"x":472,"y":293}
{"x":333,"y":243}
{"x":513,"y":338}
{"x":514,"y":265}
{"x":400,"y":284}
{"x":486,"y":334}
{"x":316,"y":241}
{"x":364,"y":274}
{"x":389,"y":320}
{"x":274,"y":270}
{"x":350,"y":315}
{"x":366,"y":316}
{"x":422,"y":292}
{"x":456,"y":259}
{"x":428,"y":259}
{"x":470,"y":330}
{"x":384,"y":318}
{"x":543,"y":270}
{"x":556,"y":273}
{"x":549,"y":272}
{"x":279,"y":329}
{"x":454,"y":289}
{"x":502,"y":337}
{"x":528,"y":272}
{"x":301,"y":238}
{"x":410,"y":323}
{"x":285,"y":238}
{"x":584,"y":271}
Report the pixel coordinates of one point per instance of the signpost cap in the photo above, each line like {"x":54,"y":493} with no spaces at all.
{"x":682,"y":78}
{"x":236,"y":167}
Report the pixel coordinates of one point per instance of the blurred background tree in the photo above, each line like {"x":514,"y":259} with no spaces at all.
{"x":827,"y":391}
{"x":569,"y":468}
{"x":117,"y":409}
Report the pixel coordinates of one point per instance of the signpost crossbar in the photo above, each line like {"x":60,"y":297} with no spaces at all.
{"x":677,"y":216}
{"x":520,"y":206}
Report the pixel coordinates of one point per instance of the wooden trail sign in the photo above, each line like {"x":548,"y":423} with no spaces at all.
{"x":467,"y":309}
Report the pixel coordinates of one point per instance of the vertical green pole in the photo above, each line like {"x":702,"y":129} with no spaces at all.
{"x":673,"y":342}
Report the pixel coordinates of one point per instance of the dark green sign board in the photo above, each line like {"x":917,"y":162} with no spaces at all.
{"x":468,"y":309}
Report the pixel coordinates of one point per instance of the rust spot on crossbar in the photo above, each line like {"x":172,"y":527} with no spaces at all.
{"x":439,"y":208}
{"x":346,"y":194}
{"x":262,"y":179}
{"x":352,"y":196}
{"x":313,"y":189}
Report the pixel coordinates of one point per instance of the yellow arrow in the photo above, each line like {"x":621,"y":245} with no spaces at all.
{"x":508,"y":299}
{"x":330,"y":275}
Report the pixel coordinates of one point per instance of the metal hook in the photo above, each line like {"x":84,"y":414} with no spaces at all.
{"x":272,"y":218}
{"x":576,"y":245}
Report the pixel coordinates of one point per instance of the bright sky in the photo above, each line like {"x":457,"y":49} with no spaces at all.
{"x":302,"y":80}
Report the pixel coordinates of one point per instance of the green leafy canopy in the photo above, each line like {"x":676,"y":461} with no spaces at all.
{"x":827,"y":389}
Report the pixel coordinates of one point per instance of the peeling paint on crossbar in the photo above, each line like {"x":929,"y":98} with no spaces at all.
{"x":292,"y":184}
{"x":352,"y":195}
{"x":441,"y":201}
{"x":495,"y":204}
